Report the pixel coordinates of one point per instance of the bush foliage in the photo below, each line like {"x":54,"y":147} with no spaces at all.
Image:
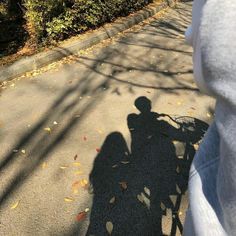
{"x":59,"y":19}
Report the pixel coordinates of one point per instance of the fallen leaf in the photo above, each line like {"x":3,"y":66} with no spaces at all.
{"x":112,"y":201}
{"x":47,"y":129}
{"x":178,"y":169}
{"x":55,"y":123}
{"x":163,"y":207}
{"x":140,"y":198}
{"x":123,"y":185}
{"x":180,"y":213}
{"x":81,"y":216}
{"x":147,"y":191}
{"x":84,"y":183}
{"x":78,"y":172}
{"x":208,"y":115}
{"x":85,"y":138}
{"x":75,"y":157}
{"x":146,"y":201}
{"x":15,"y":150}
{"x":15,"y":205}
{"x":98,"y":150}
{"x":114,"y":166}
{"x":63,"y":167}
{"x":86,"y":210}
{"x":196,"y":146}
{"x":178,"y":189}
{"x":125,"y":162}
{"x":99,"y":131}
{"x":109,"y":227}
{"x":68,"y":199}
{"x":44,"y":165}
{"x":75,"y":186}
{"x":23,"y":151}
{"x":77,"y":164}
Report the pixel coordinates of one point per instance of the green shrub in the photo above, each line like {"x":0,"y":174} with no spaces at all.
{"x":59,"y":19}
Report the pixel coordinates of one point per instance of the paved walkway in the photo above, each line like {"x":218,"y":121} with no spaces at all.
{"x":66,"y":125}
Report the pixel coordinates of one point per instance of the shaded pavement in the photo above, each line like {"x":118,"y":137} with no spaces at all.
{"x":78,"y":121}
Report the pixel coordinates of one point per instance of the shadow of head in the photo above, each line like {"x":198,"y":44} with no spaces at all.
{"x":143,"y":104}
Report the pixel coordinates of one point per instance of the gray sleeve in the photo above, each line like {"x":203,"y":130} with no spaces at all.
{"x":218,"y":47}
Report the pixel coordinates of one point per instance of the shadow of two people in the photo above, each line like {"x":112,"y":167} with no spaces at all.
{"x":133,"y":189}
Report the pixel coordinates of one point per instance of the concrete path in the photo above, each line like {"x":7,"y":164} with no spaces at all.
{"x":66,"y":125}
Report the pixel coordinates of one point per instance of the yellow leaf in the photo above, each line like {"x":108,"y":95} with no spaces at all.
{"x":109,"y":227}
{"x":44,"y":165}
{"x":196,"y":146}
{"x":68,"y":199}
{"x":15,"y":205}
{"x":23,"y":151}
{"x":112,"y":201}
{"x":180,"y":213}
{"x":47,"y":129}
{"x":77,"y":164}
{"x":78,"y":172}
{"x":147,"y":191}
{"x":83,"y":182}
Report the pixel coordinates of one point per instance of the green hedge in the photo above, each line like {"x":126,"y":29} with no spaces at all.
{"x":59,"y":19}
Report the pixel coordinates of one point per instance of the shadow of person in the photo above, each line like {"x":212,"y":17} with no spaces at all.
{"x":133,"y":190}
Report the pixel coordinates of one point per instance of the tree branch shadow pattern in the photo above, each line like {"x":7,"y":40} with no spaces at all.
{"x":153,"y":172}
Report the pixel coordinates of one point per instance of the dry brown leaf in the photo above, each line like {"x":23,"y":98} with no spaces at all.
{"x":75,"y":157}
{"x":81,"y":216}
{"x":68,"y":199}
{"x":112,"y":201}
{"x":15,"y":205}
{"x":109,"y":227}
{"x":123,"y":185}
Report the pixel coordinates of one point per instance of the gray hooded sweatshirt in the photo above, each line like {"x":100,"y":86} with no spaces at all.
{"x":212,"y":183}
